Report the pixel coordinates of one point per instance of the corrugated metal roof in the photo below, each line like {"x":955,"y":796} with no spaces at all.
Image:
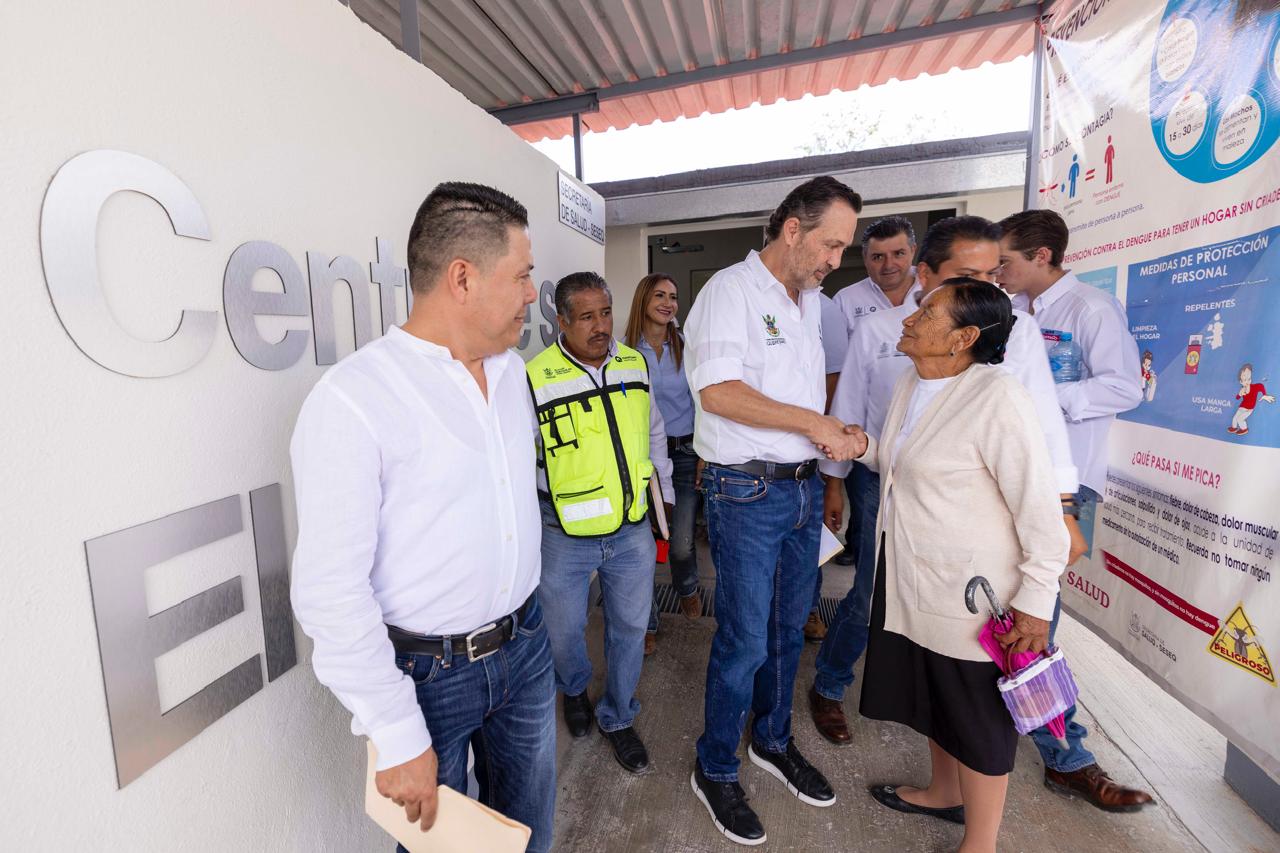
{"x":505,"y":52}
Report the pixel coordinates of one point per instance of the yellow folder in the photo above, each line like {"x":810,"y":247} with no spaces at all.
{"x":462,"y":824}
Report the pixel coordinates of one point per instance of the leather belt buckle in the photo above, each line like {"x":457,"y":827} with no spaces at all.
{"x":472,"y":654}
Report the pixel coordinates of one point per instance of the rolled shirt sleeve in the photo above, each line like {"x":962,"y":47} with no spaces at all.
{"x":715,"y":345}
{"x":336,"y":470}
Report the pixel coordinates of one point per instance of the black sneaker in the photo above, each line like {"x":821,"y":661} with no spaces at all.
{"x":847,"y":557}
{"x":628,"y":749}
{"x":577,"y":714}
{"x":800,"y":777}
{"x":727,"y":805}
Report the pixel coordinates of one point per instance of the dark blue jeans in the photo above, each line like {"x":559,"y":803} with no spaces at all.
{"x":764,"y":543}
{"x":503,"y":706}
{"x":623,"y":563}
{"x":847,"y":634}
{"x":683,"y":556}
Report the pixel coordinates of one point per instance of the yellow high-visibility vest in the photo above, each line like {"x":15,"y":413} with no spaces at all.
{"x":595,"y":438}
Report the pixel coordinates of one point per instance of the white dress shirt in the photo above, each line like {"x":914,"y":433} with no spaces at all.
{"x":864,"y":299}
{"x":873,"y":365}
{"x":416,"y":508}
{"x":657,"y":429}
{"x":744,"y":326}
{"x":1111,"y":371}
{"x":835,"y":335}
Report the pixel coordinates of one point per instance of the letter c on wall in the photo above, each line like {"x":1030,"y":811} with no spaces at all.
{"x":68,"y":249}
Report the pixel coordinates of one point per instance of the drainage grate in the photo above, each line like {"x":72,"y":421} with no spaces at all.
{"x":669,"y":602}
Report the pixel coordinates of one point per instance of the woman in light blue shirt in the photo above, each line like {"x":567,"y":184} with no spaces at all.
{"x":652,"y":329}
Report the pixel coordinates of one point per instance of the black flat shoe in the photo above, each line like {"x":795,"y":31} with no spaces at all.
{"x":887,"y":796}
{"x":577,"y":714}
{"x":628,"y":749}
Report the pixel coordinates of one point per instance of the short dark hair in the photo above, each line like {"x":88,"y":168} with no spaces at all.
{"x":576,"y":282}
{"x":889,"y":226}
{"x":982,"y":304}
{"x":460,"y":220}
{"x":808,"y":202}
{"x":1029,"y":230}
{"x":942,"y":235}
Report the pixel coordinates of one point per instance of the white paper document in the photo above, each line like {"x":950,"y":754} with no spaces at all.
{"x":828,"y":546}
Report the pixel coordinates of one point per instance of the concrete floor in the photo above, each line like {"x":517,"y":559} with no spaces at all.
{"x":600,"y":807}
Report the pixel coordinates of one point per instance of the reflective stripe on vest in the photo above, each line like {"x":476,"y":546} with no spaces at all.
{"x":595,"y":439}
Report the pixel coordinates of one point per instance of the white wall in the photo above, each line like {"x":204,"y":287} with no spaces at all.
{"x":292,"y":122}
{"x":624,"y":265}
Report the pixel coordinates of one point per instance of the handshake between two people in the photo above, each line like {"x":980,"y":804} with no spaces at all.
{"x":839,"y":442}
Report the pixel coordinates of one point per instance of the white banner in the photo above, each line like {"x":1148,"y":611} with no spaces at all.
{"x":1158,"y":125}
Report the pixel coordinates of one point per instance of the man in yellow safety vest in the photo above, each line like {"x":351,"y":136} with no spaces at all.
{"x":601,"y":442}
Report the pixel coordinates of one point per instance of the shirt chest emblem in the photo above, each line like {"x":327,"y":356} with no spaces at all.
{"x":773,"y":335}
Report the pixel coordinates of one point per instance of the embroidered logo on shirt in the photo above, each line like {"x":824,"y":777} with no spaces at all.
{"x":771,"y":325}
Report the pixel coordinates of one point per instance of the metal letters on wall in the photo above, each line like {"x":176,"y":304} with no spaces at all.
{"x":241,"y":302}
{"x":68,"y":249}
{"x":130,"y":640}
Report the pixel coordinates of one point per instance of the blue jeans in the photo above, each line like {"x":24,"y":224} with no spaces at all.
{"x":503,"y":706}
{"x":764,"y":543}
{"x":847,"y":634}
{"x":623,"y":561}
{"x":682,"y":556}
{"x":1074,"y":755}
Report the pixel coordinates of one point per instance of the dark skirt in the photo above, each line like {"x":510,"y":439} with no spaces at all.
{"x":953,"y":702}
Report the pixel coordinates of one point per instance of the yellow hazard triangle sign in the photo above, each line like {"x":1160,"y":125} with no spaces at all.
{"x":1237,"y":642}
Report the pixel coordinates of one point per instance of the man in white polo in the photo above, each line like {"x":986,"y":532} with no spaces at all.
{"x":756,"y":368}
{"x":888,"y":251}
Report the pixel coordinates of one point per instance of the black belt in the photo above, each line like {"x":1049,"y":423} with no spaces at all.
{"x":480,"y":643}
{"x":675,"y":442}
{"x":777,"y":470}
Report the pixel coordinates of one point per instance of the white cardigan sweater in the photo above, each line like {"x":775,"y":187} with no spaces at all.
{"x":973,"y":494}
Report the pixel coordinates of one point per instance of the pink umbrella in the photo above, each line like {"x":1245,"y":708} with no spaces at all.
{"x":1001,"y":623}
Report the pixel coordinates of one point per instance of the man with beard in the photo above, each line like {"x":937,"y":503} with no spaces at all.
{"x":756,"y":369}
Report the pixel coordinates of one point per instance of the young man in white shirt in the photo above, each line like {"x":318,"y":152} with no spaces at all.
{"x":960,"y":246}
{"x":418,"y":532}
{"x":756,"y":368}
{"x":888,"y":250}
{"x":1031,"y":252}
{"x":601,"y":440}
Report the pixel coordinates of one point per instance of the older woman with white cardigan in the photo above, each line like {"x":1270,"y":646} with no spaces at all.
{"x":967,"y":488}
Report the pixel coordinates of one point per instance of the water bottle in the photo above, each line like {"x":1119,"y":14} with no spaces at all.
{"x":1064,"y":359}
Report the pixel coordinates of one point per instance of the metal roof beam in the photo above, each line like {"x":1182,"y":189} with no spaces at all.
{"x":560,"y":107}
{"x":548,"y":109}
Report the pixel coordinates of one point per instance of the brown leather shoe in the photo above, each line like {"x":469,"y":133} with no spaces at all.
{"x":691,"y":606}
{"x":1093,"y":784}
{"x":650,"y":644}
{"x":814,"y":630}
{"x":828,"y":718}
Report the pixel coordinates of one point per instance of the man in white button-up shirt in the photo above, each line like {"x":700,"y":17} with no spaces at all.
{"x":889,"y":251}
{"x":756,"y":368}
{"x":1031,"y":253}
{"x":961,"y":246}
{"x":418,"y":531}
